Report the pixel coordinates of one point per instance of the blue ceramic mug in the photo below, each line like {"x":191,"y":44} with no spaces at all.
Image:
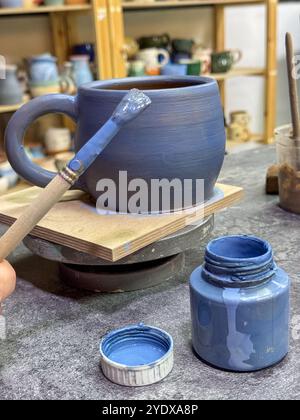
{"x":181,"y":135}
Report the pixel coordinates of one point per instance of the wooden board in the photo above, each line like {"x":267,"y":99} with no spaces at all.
{"x":74,"y":222}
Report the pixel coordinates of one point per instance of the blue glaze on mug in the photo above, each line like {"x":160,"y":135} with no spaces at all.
{"x":136,"y":345}
{"x":240,"y":305}
{"x":181,"y":135}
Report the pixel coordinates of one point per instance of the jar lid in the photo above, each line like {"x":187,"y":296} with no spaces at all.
{"x":136,"y":355}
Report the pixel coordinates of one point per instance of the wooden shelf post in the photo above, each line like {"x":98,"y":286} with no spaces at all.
{"x":103,"y":46}
{"x":271,"y":70}
{"x":116,"y":33}
{"x":220,"y":41}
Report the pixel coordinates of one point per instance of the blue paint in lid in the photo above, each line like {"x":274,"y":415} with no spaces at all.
{"x":136,"y":345}
{"x":137,"y":355}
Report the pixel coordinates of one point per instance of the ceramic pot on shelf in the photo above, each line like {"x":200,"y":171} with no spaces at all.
{"x":81,"y":69}
{"x":11,"y":92}
{"x":11,"y":4}
{"x":43,"y":69}
{"x":180,"y":136}
{"x":54,"y":2}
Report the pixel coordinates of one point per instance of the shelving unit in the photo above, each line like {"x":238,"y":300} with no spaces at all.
{"x":9,"y":108}
{"x":62,"y":29}
{"x":108,"y":26}
{"x":269,"y":72}
{"x":44,"y":9}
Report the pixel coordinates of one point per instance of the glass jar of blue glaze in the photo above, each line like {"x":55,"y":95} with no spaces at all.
{"x":240,"y":305}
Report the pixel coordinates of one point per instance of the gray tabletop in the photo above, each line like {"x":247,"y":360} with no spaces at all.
{"x":51,"y":351}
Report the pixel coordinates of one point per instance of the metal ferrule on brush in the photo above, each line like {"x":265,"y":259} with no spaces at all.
{"x":68,"y":175}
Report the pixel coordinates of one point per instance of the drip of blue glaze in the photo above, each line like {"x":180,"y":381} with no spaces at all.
{"x":136,"y":345}
{"x":239,"y":345}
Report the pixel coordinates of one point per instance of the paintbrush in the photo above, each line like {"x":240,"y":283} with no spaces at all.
{"x":292,"y":89}
{"x":129,"y":108}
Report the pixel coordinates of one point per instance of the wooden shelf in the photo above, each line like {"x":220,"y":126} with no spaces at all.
{"x":238,"y":72}
{"x":135,"y":5}
{"x":10,"y":108}
{"x":44,"y":9}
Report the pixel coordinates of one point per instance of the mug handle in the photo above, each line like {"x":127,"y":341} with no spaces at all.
{"x":166,"y":57}
{"x":237,"y":55}
{"x":17,"y":126}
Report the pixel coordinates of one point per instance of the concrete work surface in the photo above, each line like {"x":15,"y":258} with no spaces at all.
{"x":51,"y":350}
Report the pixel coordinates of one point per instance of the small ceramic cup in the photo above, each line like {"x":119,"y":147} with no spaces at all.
{"x":54,"y":2}
{"x":57,"y":140}
{"x":237,"y":132}
{"x":221,"y":62}
{"x":155,"y":41}
{"x":136,"y":68}
{"x":176,"y":57}
{"x":204,"y":55}
{"x":174,"y":69}
{"x":240,"y":117}
{"x":183,"y":45}
{"x":193,"y":66}
{"x":154,"y":58}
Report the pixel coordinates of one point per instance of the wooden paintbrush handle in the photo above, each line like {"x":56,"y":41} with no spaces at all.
{"x":33,"y":214}
{"x":292,"y":86}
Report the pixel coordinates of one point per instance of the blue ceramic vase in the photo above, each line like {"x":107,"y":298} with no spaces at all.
{"x":181,"y":135}
{"x":10,"y":89}
{"x":11,"y":3}
{"x":81,"y":69}
{"x":240,"y":305}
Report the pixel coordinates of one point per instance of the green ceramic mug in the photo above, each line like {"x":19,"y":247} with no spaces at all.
{"x":222,"y":62}
{"x":155,"y":41}
{"x":194,"y":66}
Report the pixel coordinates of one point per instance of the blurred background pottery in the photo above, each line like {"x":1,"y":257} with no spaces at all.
{"x":11,"y":92}
{"x":176,"y":57}
{"x":136,"y":68}
{"x":204,"y":55}
{"x":240,"y":117}
{"x":11,"y":3}
{"x":54,"y":2}
{"x":81,"y":69}
{"x":193,"y":66}
{"x":130,"y":47}
{"x":222,"y":62}
{"x":173,"y":69}
{"x":57,"y":140}
{"x":43,"y":69}
{"x":46,"y":88}
{"x":154,"y":58}
{"x":183,"y":45}
{"x":67,"y":81}
{"x":85,"y":49}
{"x":155,"y":41}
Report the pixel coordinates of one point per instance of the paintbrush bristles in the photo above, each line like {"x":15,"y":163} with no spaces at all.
{"x":292,"y":86}
{"x":131,"y":106}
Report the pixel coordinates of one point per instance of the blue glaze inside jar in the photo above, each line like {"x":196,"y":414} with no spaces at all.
{"x":136,"y":345}
{"x":240,"y":305}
